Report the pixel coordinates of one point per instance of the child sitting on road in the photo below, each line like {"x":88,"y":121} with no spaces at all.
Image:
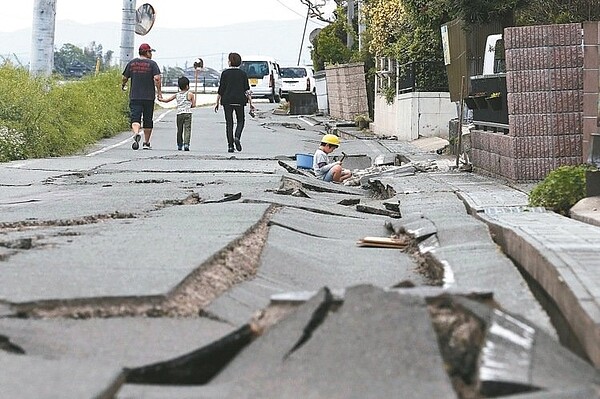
{"x":186,"y":100}
{"x":325,"y":170}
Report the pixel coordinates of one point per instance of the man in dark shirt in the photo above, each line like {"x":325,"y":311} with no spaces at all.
{"x":145,"y":85}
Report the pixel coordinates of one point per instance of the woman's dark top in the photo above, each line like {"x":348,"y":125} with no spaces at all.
{"x":233,"y":87}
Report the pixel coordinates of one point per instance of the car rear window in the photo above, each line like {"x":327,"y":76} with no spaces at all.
{"x":255,"y":69}
{"x":293,"y":72}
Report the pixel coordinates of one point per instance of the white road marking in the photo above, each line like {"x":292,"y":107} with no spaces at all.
{"x":127,"y":140}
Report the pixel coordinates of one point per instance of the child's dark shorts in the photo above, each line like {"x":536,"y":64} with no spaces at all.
{"x":142,"y":109}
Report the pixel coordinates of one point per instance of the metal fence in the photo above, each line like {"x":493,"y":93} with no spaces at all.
{"x":416,"y":76}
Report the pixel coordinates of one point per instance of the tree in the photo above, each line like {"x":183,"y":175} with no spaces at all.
{"x":384,"y":25}
{"x":69,"y":55}
{"x":108,"y":57}
{"x":330,"y":45}
{"x":538,"y":12}
{"x":315,"y":9}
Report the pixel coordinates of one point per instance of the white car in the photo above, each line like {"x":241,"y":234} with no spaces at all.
{"x":264,"y":77}
{"x":297,"y":78}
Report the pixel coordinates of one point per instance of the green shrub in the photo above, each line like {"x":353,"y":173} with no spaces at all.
{"x":561,"y":189}
{"x":42,"y":117}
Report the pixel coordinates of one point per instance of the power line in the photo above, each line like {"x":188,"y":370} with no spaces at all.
{"x":294,"y":11}
{"x":300,"y":15}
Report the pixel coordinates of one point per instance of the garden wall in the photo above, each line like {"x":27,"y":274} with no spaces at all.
{"x":544,"y":79}
{"x":346,"y":90}
{"x":414,"y":115}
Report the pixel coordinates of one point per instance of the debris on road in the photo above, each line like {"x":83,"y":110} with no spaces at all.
{"x":383,"y":242}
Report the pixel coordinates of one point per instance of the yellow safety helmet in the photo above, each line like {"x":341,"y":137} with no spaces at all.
{"x":331,"y":139}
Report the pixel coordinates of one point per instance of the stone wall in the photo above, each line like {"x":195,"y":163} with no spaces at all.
{"x":346,"y":90}
{"x":544,"y":78}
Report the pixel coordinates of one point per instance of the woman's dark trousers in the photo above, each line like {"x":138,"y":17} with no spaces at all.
{"x":240,"y":120}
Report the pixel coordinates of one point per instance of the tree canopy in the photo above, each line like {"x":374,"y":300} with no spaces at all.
{"x":70,"y":56}
{"x":409,"y":30}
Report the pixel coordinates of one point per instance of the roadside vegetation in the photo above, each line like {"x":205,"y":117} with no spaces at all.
{"x":561,"y":189}
{"x":42,"y":117}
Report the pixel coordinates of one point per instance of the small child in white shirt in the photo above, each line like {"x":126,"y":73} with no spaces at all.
{"x":186,"y":100}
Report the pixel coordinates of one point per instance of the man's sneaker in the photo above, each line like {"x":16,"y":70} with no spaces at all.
{"x":238,"y":145}
{"x":186,"y":147}
{"x":136,"y":141}
{"x":230,"y":149}
{"x":179,"y":148}
{"x":146,"y":146}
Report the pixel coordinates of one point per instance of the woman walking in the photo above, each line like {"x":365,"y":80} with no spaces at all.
{"x":233,"y":94}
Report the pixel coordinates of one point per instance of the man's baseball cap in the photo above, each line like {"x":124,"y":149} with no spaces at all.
{"x":146,"y":47}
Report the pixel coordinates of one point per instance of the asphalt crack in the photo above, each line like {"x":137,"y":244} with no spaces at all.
{"x":235,"y":263}
{"x":91,"y":219}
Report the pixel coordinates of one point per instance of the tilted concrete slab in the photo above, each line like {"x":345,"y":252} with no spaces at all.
{"x":134,"y":391}
{"x":30,"y":377}
{"x":326,"y":204}
{"x":318,"y":185}
{"x":563,"y":256}
{"x":431,"y":203}
{"x":516,"y":356}
{"x":453,"y":230}
{"x":379,"y":345}
{"x":120,"y":342}
{"x":309,"y":262}
{"x":239,"y":304}
{"x":484,"y":267}
{"x":477,"y":262}
{"x":416,"y":225}
{"x":190,"y":235}
{"x":584,"y":392}
{"x":420,"y":183}
{"x":340,"y":227}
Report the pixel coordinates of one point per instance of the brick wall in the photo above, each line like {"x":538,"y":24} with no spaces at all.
{"x":346,"y":90}
{"x":544,"y":80}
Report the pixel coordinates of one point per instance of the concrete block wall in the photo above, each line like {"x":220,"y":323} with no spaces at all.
{"x":544,"y":79}
{"x":346,"y":90}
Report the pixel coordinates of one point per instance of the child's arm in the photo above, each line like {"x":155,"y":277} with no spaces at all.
{"x":192,"y":98}
{"x":166,"y":100}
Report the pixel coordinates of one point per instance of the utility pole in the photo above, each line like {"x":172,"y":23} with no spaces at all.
{"x":303,"y":34}
{"x":361,"y":24}
{"x":350,"y":14}
{"x":127,"y":32}
{"x":42,"y":37}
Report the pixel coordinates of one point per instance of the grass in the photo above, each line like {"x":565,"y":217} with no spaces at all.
{"x":42,"y":117}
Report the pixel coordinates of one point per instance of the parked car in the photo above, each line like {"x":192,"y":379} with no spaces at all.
{"x":297,"y":78}
{"x":264,"y":77}
{"x":207,"y":77}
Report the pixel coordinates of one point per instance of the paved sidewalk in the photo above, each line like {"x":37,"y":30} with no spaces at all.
{"x":560,"y":253}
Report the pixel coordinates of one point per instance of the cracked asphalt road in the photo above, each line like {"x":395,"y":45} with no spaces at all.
{"x":119,"y":259}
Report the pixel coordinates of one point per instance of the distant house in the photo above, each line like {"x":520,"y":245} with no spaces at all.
{"x":77,"y":70}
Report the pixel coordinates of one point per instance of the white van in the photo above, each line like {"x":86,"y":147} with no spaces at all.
{"x":264,"y":77}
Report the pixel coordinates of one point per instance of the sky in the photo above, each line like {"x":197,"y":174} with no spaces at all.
{"x":17,"y":14}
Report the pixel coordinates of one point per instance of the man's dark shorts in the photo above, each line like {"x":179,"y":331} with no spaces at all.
{"x":142,"y":109}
